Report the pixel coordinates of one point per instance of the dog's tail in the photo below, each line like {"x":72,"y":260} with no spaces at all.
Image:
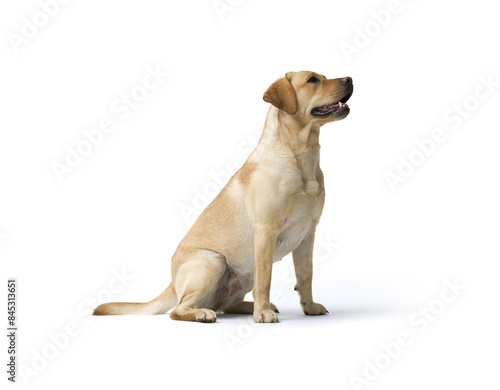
{"x":161,"y":304}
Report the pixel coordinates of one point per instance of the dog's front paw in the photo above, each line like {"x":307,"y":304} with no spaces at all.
{"x":313,"y":309}
{"x":265,"y":316}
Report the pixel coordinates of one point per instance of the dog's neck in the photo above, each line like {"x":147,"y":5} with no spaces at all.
{"x":281,"y":128}
{"x":285,"y":136}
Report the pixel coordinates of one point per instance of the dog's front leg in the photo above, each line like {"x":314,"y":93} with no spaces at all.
{"x":302,"y":260}
{"x":264,"y":243}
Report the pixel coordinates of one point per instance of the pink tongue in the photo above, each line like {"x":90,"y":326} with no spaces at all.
{"x":326,"y":108}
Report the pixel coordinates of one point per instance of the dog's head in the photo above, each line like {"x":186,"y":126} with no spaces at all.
{"x":311,"y":97}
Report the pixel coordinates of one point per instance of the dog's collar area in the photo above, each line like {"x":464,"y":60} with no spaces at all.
{"x":332,"y":108}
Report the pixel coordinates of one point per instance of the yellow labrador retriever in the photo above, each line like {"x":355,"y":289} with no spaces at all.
{"x":269,"y":208}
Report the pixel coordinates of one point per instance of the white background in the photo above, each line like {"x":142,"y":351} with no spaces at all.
{"x":120,"y":209}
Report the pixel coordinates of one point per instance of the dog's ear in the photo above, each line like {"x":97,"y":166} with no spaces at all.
{"x":281,"y":94}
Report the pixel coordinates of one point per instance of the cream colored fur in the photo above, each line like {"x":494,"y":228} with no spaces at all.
{"x":269,"y":208}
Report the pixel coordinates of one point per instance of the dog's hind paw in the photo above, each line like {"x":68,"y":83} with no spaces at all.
{"x":205,"y":315}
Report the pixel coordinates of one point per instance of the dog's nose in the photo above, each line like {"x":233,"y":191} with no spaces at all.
{"x":346,"y":80}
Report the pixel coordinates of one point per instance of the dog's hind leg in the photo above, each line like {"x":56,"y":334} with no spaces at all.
{"x":195,"y":278}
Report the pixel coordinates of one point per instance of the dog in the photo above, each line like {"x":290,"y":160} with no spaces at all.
{"x":269,"y":208}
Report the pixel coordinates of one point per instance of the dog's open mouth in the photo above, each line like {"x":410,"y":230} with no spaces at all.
{"x":332,"y":108}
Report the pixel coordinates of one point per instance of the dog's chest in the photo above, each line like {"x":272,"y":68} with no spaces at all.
{"x":304,"y":210}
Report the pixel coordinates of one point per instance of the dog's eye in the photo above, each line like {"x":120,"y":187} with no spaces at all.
{"x":312,"y":80}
